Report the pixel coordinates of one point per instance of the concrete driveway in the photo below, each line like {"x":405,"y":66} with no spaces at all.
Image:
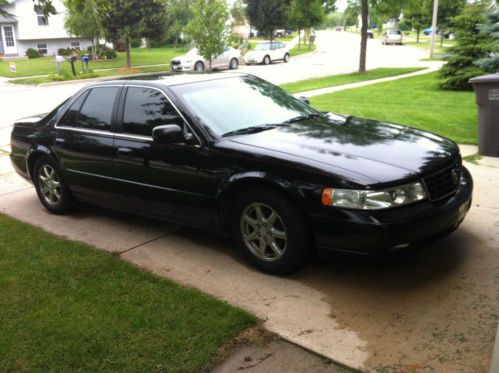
{"x":435,"y":309}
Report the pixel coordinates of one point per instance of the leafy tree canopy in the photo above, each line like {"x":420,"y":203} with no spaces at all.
{"x":268,"y":15}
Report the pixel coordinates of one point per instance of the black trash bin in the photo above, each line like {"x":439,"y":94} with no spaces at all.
{"x":487,"y":98}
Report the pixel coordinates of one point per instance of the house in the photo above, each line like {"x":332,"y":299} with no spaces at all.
{"x":26,"y":28}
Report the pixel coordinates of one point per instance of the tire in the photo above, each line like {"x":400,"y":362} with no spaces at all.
{"x":258,"y":242}
{"x":51,"y":188}
{"x":234,"y":64}
{"x":267,"y":60}
{"x":199,"y":66}
{"x":286,"y":57}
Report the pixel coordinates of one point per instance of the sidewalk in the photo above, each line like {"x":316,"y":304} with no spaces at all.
{"x":321,"y":91}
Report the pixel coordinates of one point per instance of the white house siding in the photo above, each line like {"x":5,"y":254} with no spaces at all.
{"x":53,"y":45}
{"x":28,"y":33}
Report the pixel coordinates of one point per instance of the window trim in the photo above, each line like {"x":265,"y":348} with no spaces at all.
{"x":46,"y":48}
{"x":119,"y":119}
{"x":40,"y":15}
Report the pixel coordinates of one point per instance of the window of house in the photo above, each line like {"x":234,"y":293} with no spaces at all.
{"x":145,"y":109}
{"x":75,"y":45}
{"x":92,"y":110}
{"x":42,"y":19}
{"x":42,"y":48}
{"x":9,"y":36}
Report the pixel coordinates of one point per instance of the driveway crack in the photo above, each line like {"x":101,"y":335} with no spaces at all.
{"x":173,"y":230}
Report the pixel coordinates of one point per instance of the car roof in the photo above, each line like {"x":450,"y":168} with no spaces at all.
{"x":173,"y":79}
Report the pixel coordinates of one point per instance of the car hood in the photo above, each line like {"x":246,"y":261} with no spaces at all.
{"x":185,"y":58}
{"x":379,"y":151}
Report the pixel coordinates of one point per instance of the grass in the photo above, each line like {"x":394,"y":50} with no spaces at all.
{"x":48,"y":79}
{"x":46,"y":65}
{"x":335,"y":80}
{"x":301,"y":49}
{"x":415,"y":101}
{"x":473,"y":158}
{"x":66,"y":306}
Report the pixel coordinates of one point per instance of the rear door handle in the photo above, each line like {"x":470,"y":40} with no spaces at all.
{"x":124,"y":151}
{"x":59,"y":140}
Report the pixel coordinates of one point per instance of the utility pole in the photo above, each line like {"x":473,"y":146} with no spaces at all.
{"x":434,"y":27}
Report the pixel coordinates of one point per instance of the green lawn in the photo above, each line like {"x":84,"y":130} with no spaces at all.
{"x":65,"y":307}
{"x":301,"y":49}
{"x":335,"y":80}
{"x":46,"y":65}
{"x":415,"y":101}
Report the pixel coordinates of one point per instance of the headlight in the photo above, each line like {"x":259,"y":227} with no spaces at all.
{"x":374,"y":199}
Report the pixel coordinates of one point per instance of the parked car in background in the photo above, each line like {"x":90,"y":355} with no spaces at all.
{"x":236,"y":155}
{"x":267,"y":52}
{"x":281,"y":33}
{"x":370,"y":34}
{"x":392,"y":37}
{"x":193,"y":61}
{"x":427,"y":31}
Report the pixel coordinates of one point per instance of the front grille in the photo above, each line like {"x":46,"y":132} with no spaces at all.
{"x":175,"y":62}
{"x":443,"y":183}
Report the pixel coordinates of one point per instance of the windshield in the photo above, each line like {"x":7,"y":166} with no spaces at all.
{"x":193,"y":52}
{"x":262,"y":47}
{"x":232,"y":104}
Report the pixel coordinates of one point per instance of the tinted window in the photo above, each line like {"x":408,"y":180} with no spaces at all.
{"x":145,"y":109}
{"x":97,"y":110}
{"x":70,"y":118}
{"x":395,"y":32}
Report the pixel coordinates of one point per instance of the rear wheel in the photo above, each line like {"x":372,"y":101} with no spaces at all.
{"x":51,"y":188}
{"x":270,"y":232}
{"x":234,"y":63}
{"x":266,"y":60}
{"x":199,"y":66}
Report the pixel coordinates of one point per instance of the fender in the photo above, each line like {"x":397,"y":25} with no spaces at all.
{"x":237,"y":182}
{"x":35,"y":151}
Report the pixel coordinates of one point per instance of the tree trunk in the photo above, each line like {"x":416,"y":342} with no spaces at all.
{"x":299,"y":37}
{"x":209,"y":61}
{"x":127,"y":49}
{"x":94,"y":51}
{"x":363,"y":35}
{"x":442,"y":39}
{"x":418,"y":31}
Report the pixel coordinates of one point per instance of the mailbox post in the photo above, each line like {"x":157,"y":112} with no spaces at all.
{"x":72,"y":60}
{"x":487,"y":98}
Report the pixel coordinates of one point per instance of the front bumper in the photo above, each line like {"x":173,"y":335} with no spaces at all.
{"x":182,"y":67}
{"x":385,"y":231}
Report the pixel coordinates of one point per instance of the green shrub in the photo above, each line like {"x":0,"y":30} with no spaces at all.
{"x":32,"y":53}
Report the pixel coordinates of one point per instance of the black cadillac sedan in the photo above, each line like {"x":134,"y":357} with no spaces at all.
{"x":234,"y":154}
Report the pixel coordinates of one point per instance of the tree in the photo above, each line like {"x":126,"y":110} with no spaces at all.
{"x":82,"y":20}
{"x":238,"y":13}
{"x":471,"y":45}
{"x":208,"y":27}
{"x":305,"y":14}
{"x":267,"y":15}
{"x":151,"y":25}
{"x":45,"y":6}
{"x":491,"y":27}
{"x":417,"y":16}
{"x":329,"y":6}
{"x":364,"y":14}
{"x":351,"y":14}
{"x":447,"y":9}
{"x":125,"y":19}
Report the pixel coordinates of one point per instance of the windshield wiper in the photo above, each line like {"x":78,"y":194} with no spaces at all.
{"x":253,"y":129}
{"x":303,"y":117}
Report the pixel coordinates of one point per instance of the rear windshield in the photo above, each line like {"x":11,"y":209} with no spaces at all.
{"x":395,"y":32}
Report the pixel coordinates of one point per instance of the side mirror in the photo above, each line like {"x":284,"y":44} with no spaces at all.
{"x":304,"y":100}
{"x":168,"y":134}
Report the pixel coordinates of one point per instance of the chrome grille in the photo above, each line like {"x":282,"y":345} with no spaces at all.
{"x":443,"y":183}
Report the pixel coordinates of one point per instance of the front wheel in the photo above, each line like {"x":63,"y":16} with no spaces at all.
{"x":266,"y":60}
{"x":199,"y":66}
{"x":270,"y":232}
{"x":286,"y":57}
{"x":234,"y":63}
{"x":51,"y":188}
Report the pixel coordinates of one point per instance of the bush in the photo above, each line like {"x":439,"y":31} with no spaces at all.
{"x":66,"y":51}
{"x":471,"y":45}
{"x":103,"y":51}
{"x":32,"y":53}
{"x":235,"y":40}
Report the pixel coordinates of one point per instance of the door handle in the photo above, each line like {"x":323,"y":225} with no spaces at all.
{"x":124,"y":151}
{"x":59,"y":140}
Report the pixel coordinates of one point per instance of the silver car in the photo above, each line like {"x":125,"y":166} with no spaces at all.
{"x":392,"y":37}
{"x":193,"y":61}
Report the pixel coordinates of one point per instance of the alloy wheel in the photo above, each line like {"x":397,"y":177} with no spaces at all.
{"x":263,"y":232}
{"x":50,"y":185}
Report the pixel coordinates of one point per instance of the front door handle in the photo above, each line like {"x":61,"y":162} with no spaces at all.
{"x":124,"y":151}
{"x":59,"y":140}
